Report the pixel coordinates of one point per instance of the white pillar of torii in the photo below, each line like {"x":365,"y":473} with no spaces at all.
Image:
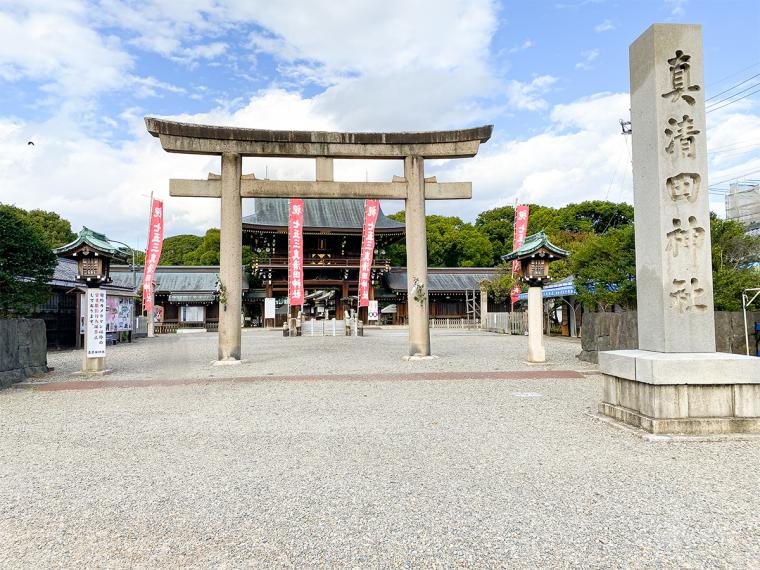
{"x":232,"y":144}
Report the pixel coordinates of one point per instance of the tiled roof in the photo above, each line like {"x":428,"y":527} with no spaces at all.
{"x":338,"y":214}
{"x":443,"y":279}
{"x":533,"y":243}
{"x":96,"y":241}
{"x":176,"y":279}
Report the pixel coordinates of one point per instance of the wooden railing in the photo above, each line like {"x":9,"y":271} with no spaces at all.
{"x":453,"y":323}
{"x":282,"y":261}
{"x":171,"y":326}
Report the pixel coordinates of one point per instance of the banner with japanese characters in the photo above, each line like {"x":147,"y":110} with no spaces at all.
{"x":295,"y":252}
{"x":153,"y":251}
{"x":521,"y":229}
{"x":373,"y":311}
{"x":96,"y":323}
{"x":371,"y":211}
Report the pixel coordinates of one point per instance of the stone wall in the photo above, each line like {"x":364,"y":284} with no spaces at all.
{"x":23,"y":349}
{"x":607,"y":331}
{"x":619,"y":331}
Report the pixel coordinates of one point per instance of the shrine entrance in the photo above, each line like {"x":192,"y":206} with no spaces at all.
{"x":232,"y":144}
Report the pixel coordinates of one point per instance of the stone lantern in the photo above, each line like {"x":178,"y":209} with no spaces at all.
{"x":93,"y":253}
{"x":535,"y":255}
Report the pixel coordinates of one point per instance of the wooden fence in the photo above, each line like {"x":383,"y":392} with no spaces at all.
{"x":507,"y":323}
{"x":322,"y":327}
{"x":171,"y":326}
{"x":447,"y":323}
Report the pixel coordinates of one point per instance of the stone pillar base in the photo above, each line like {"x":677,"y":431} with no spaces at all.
{"x":682,"y":393}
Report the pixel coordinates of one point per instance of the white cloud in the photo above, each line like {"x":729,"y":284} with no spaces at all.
{"x":677,"y":7}
{"x":527,"y":96}
{"x":61,"y":51}
{"x":605,"y":26}
{"x":527,"y":44}
{"x":587,"y":57}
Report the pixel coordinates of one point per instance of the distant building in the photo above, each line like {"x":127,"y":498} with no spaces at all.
{"x":743,"y":204}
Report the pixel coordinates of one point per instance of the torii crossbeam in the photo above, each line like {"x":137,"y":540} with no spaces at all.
{"x":232,"y":144}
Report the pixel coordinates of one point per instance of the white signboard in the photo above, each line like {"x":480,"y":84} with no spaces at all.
{"x":269,"y":308}
{"x":96,"y":323}
{"x":372,"y":311}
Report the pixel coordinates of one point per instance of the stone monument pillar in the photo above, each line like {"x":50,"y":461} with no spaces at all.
{"x":536,"y":350}
{"x":675,"y":382}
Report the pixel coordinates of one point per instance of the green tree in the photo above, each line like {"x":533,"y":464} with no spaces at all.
{"x":175,"y":248}
{"x":27,"y":263}
{"x":450,"y":243}
{"x":498,"y":225}
{"x":594,"y":216}
{"x":207,"y":252}
{"x":734,"y":258}
{"x":501,"y":287}
{"x":605,"y":269}
{"x":54,"y":230}
{"x":396,"y":252}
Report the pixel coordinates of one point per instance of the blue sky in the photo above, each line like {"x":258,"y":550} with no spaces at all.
{"x":77,"y":77}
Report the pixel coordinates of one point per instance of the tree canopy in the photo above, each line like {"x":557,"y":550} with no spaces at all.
{"x":27,"y":264}
{"x":52,"y":228}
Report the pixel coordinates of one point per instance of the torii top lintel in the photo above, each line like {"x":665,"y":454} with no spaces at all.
{"x":188,"y":138}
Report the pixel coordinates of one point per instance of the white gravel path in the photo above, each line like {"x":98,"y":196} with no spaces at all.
{"x":268,"y":353}
{"x":362,"y":474}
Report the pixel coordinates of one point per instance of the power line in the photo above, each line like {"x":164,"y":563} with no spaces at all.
{"x":739,"y":144}
{"x":732,"y":102}
{"x":732,"y":95}
{"x":734,"y":74}
{"x":732,"y":87}
{"x":736,"y":177}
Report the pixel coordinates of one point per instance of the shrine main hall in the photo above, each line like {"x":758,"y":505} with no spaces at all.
{"x":332,"y":239}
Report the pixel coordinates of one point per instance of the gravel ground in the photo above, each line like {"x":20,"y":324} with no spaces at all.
{"x":269,"y":353}
{"x":365,"y":473}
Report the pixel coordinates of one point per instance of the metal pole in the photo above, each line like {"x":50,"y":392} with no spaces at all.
{"x":744,"y":312}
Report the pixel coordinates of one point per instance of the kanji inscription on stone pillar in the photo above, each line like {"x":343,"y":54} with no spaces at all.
{"x":673,"y":260}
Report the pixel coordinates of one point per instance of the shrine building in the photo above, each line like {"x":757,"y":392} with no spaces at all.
{"x":332,"y":237}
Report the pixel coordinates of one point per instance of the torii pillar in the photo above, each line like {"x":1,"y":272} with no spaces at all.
{"x":232,"y":144}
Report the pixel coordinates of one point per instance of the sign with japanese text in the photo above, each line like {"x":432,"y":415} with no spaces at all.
{"x":373,"y":311}
{"x":269,"y":308}
{"x":521,"y":229}
{"x":295,"y":252}
{"x":96,"y":323}
{"x":371,"y":211}
{"x":153,"y":251}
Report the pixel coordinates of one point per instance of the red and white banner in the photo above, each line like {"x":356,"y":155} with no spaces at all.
{"x":521,"y":228}
{"x":153,"y":251}
{"x":295,"y":251}
{"x":371,"y":211}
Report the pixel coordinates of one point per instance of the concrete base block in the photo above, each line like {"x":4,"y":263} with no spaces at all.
{"x":190,"y":331}
{"x":685,"y":426}
{"x":417,"y":357}
{"x":681,"y":393}
{"x":227,"y":362}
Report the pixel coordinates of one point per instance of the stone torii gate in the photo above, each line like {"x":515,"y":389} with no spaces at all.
{"x":232,"y":144}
